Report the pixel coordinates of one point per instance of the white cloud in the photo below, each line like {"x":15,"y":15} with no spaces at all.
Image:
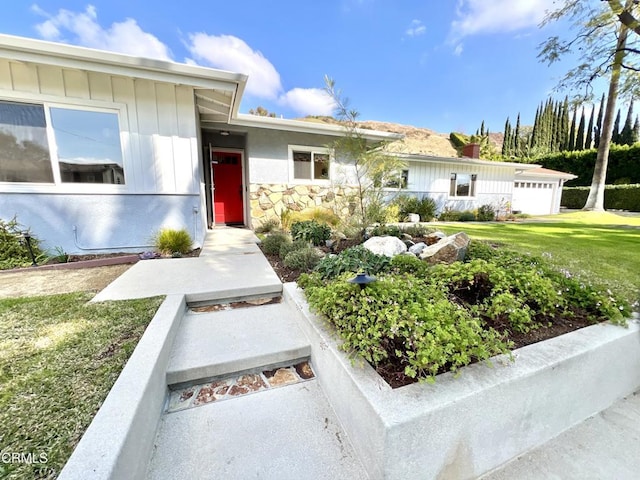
{"x":458,"y":50}
{"x":497,"y":16}
{"x":227,"y":52}
{"x":123,"y":37}
{"x":308,"y":101}
{"x":224,"y":52}
{"x":416,"y":29}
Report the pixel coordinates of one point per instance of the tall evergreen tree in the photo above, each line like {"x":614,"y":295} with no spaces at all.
{"x":572,"y":132}
{"x":598,"y":128}
{"x":615,"y":135}
{"x":516,"y":138}
{"x":589,"y":140}
{"x":626,"y":135}
{"x":482,"y":132}
{"x":636,"y":131}
{"x":580,"y":133}
{"x":534,"y":132}
{"x":565,"y":124}
{"x":506,"y":142}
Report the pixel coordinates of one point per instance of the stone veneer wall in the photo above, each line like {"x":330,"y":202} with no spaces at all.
{"x":269,"y":200}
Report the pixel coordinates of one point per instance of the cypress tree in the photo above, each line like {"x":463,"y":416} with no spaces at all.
{"x":482,"y":128}
{"x":565,"y":124}
{"x":516,"y":138}
{"x":598,"y":128}
{"x":572,"y":132}
{"x":636,"y":131}
{"x":534,"y":132}
{"x":615,"y":136}
{"x":580,"y":133}
{"x":626,"y":135}
{"x":589,"y":140}
{"x":507,"y":139}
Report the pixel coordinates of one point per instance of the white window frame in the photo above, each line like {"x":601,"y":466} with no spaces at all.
{"x":312,"y":150}
{"x":47,"y":102}
{"x":473,"y":185}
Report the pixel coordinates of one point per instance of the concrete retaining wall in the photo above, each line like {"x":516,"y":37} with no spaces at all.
{"x":119,"y":441}
{"x":466,"y":426}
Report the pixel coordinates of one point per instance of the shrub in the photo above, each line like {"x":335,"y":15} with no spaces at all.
{"x":409,"y":264}
{"x":385,"y":231}
{"x":273,"y":242}
{"x":392,"y":214}
{"x":405,"y":320}
{"x":311,"y":231}
{"x":14,"y":252}
{"x":417,"y":230}
{"x":289,"y":247}
{"x":268,"y":226}
{"x":319,"y":214}
{"x":449,"y":215}
{"x":304,"y":259}
{"x":355,"y":259}
{"x":486,"y":213}
{"x":619,"y":197}
{"x":467,"y":216}
{"x":425,"y":207}
{"x":169,"y":241}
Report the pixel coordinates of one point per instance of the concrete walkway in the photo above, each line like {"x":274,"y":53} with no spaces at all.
{"x":230,"y":265}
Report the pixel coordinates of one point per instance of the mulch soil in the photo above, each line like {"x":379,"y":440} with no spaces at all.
{"x":392,"y":370}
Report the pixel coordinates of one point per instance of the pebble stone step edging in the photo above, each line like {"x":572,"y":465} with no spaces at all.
{"x":465,"y":426}
{"x":238,"y":385}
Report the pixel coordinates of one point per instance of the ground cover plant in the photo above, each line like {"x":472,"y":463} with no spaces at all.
{"x":59,"y":357}
{"x":418,"y":321}
{"x":601,"y":247}
{"x":13,"y":248}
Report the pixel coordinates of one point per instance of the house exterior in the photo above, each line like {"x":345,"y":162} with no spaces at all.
{"x":467,"y":183}
{"x":99,"y":151}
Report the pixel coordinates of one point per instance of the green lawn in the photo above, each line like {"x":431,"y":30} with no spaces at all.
{"x":59,"y":357}
{"x":601,"y":247}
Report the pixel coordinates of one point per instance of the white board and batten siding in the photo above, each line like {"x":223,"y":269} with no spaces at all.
{"x":536,"y":195}
{"x":158,"y":124}
{"x":159,"y":139}
{"x":494,"y":184}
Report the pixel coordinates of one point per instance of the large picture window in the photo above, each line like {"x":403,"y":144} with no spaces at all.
{"x":462,"y":185}
{"x":85,"y":145}
{"x":310,"y":164}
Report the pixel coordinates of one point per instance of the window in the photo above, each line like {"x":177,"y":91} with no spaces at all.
{"x":24,"y":149}
{"x":462,"y":185}
{"x":310,"y":164}
{"x":86,"y":145}
{"x":402,"y":181}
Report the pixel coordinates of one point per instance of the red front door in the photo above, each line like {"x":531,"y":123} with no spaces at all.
{"x":226,"y":170}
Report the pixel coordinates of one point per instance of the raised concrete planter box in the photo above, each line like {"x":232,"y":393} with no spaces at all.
{"x":466,"y":426}
{"x":119,"y":441}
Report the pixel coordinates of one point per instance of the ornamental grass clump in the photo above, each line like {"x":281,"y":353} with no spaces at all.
{"x":14,"y":252}
{"x":169,"y":241}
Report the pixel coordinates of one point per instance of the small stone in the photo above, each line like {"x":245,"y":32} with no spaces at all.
{"x":282,"y":376}
{"x":247,"y":384}
{"x":417,"y":248}
{"x":413,"y":218}
{"x":211,"y":392}
{"x":180,"y":399}
{"x":304,"y":370}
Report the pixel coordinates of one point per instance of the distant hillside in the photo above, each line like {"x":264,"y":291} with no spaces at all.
{"x":417,"y":140}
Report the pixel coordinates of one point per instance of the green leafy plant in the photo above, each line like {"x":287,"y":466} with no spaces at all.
{"x":60,"y":256}
{"x":402,"y":319}
{"x":409,"y":264}
{"x":486,"y":213}
{"x":14,"y":252}
{"x":385,"y":231}
{"x":272,"y":243}
{"x":289,"y":247}
{"x":304,"y":259}
{"x":270,"y":225}
{"x":169,"y":241}
{"x":355,"y":259}
{"x":467,"y":216}
{"x":425,"y":207}
{"x":311,"y":231}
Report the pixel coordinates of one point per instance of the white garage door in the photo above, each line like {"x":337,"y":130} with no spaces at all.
{"x":534,"y":198}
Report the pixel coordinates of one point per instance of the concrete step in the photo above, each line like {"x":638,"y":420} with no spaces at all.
{"x":214,"y":344}
{"x":284,"y":433}
{"x":605,"y":446}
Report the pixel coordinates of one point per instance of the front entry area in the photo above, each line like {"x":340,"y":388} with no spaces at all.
{"x":226,"y":181}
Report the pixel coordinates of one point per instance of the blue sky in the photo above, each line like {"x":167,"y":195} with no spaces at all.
{"x":440,"y":64}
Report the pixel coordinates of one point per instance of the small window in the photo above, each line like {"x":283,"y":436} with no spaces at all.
{"x":462,"y":185}
{"x":24,"y":148}
{"x":310,"y":165}
{"x":401,"y":182}
{"x":88,"y":145}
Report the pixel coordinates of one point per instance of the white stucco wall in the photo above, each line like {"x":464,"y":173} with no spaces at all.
{"x":268,"y":156}
{"x":103,"y":222}
{"x":159,"y":139}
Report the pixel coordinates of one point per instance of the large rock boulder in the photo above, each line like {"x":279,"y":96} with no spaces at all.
{"x":389,"y":246}
{"x":417,"y":248}
{"x":448,"y":250}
